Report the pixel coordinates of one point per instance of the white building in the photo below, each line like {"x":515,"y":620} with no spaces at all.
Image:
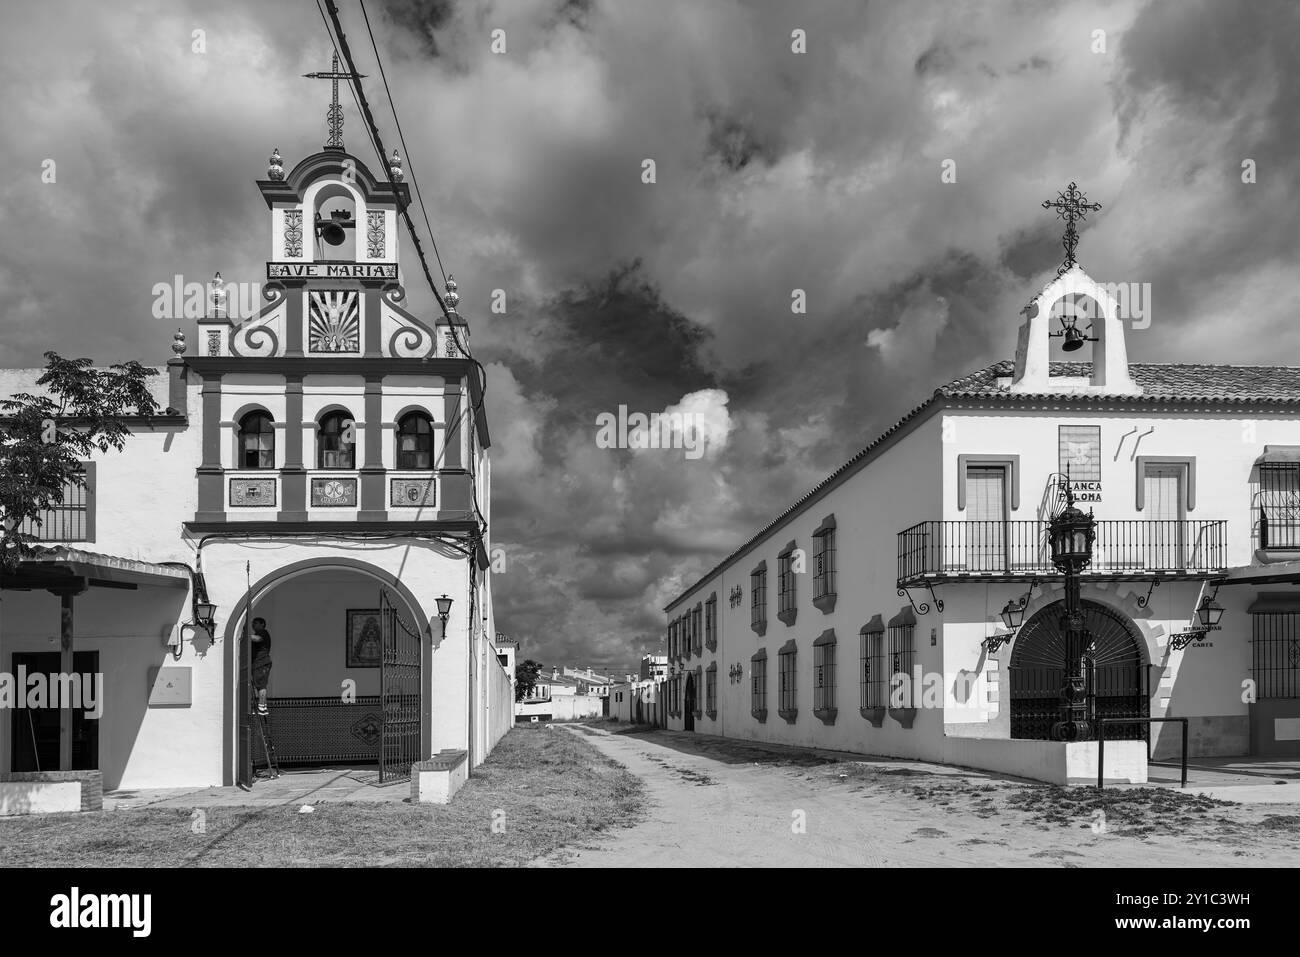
{"x":323,"y":464}
{"x":901,"y":561}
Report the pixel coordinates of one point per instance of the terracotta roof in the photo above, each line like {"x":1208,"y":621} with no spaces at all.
{"x":1160,"y":382}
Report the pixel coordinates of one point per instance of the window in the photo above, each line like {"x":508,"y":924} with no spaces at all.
{"x":1279,"y":505}
{"x":872,"y":684}
{"x":70,"y":517}
{"x":697,"y":629}
{"x":1275,"y":653}
{"x":824,"y":566}
{"x":414,"y":442}
{"x":335,"y":446}
{"x":256,"y":441}
{"x":758,"y":686}
{"x":786,"y":672}
{"x":711,"y":690}
{"x":711,"y":623}
{"x":758,"y":599}
{"x":785,"y":585}
{"x":699,"y":685}
{"x":902,"y":655}
{"x":687,"y":643}
{"x":824,"y":677}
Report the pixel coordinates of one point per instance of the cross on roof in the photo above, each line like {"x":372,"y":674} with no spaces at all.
{"x":1071,"y":205}
{"x":334,"y":115}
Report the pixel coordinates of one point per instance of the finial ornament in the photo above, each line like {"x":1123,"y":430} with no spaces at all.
{"x":1072,"y":206}
{"x":395,"y":167}
{"x":218,"y":296}
{"x":452,"y":298}
{"x":178,"y":343}
{"x":275,"y":167}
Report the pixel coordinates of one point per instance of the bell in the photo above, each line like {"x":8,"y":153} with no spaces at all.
{"x":1074,"y":339}
{"x":333,"y":234}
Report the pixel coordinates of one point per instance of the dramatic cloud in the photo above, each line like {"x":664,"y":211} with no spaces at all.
{"x":779,"y":176}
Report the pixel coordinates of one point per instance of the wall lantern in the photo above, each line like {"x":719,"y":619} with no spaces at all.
{"x":1013,"y":616}
{"x":1210,"y":612}
{"x":444,"y":612}
{"x":205,"y":614}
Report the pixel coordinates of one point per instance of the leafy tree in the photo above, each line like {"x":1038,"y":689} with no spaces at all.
{"x":43,"y":438}
{"x":526,"y":674}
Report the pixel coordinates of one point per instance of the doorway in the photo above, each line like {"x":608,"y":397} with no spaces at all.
{"x":35,"y":731}
{"x":688,"y":707}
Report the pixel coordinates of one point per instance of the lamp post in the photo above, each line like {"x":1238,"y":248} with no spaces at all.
{"x":1071,"y":534}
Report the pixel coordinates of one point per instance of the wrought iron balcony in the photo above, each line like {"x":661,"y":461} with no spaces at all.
{"x":1018,"y":550}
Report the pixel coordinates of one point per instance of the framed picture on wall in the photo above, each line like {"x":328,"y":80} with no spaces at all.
{"x":364,"y":639}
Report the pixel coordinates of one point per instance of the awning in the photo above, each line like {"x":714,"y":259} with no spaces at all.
{"x":1279,"y":454}
{"x":62,"y":567}
{"x":1275,"y":602}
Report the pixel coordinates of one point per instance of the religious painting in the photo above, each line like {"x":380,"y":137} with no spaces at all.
{"x":252,"y":493}
{"x":334,"y":492}
{"x":1080,"y":452}
{"x":364,"y":638}
{"x":410,"y":493}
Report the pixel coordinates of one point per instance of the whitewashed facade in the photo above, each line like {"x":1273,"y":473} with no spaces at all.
{"x":1192,"y":474}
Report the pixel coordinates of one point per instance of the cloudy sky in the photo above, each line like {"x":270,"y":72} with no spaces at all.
{"x":775,"y":171}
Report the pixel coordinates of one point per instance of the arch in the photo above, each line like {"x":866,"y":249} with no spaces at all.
{"x":1116,"y":670}
{"x":314,"y":199}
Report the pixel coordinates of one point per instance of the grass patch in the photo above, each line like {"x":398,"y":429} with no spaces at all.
{"x":546,"y":790}
{"x":1135,"y":811}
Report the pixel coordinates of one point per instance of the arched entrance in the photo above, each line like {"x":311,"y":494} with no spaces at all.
{"x":1114,"y":670}
{"x":346,"y":687}
{"x":688,"y":706}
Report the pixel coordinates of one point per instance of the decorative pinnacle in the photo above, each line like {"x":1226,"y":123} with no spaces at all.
{"x":452,"y":298}
{"x":275,"y":169}
{"x":218,"y":296}
{"x":395,"y":167}
{"x":178,"y":343}
{"x":1072,"y":206}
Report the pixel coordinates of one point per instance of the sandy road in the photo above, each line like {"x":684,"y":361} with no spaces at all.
{"x":720,"y":803}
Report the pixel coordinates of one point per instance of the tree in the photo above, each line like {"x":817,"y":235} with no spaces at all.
{"x":43,"y":439}
{"x":526,"y":674}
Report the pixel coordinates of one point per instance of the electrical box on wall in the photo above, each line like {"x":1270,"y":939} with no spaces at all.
{"x":170,"y":687}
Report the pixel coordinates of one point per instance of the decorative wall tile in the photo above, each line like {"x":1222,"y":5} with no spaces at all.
{"x":252,"y":493}
{"x":410,"y":493}
{"x":334,"y":492}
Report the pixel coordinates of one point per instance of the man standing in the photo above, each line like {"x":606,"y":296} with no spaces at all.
{"x":261,"y":667}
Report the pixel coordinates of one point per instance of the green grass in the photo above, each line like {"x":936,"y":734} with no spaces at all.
{"x":551,"y":790}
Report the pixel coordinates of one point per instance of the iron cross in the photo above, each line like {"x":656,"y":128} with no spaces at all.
{"x":1072,"y":206}
{"x":334,"y":116}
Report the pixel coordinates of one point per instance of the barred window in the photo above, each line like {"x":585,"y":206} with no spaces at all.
{"x":1275,"y":654}
{"x":902,"y":654}
{"x":824,"y":564}
{"x":758,"y":686}
{"x":873,"y":683}
{"x":824,"y":674}
{"x":786,"y":671}
{"x":711,"y":689}
{"x":758,"y":598}
{"x":1279,"y":505}
{"x":71,"y":515}
{"x":785,"y":579}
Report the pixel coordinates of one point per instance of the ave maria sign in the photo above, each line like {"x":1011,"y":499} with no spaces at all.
{"x":331,"y":270}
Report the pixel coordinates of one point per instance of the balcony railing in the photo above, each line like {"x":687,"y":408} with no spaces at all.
{"x":1019,"y":549}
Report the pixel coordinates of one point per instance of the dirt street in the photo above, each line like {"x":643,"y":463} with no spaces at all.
{"x":716,"y":802}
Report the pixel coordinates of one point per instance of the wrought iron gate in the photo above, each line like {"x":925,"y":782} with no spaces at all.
{"x":1115,"y":674}
{"x":399,"y":694}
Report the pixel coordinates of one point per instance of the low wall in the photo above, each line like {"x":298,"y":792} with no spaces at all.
{"x":1055,"y":762}
{"x":437,"y":780}
{"x":561,"y":708}
{"x":49,"y":792}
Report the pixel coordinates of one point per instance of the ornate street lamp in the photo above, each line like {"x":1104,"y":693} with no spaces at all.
{"x":1210,"y":612}
{"x":1071,"y":534}
{"x":1013,"y":616}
